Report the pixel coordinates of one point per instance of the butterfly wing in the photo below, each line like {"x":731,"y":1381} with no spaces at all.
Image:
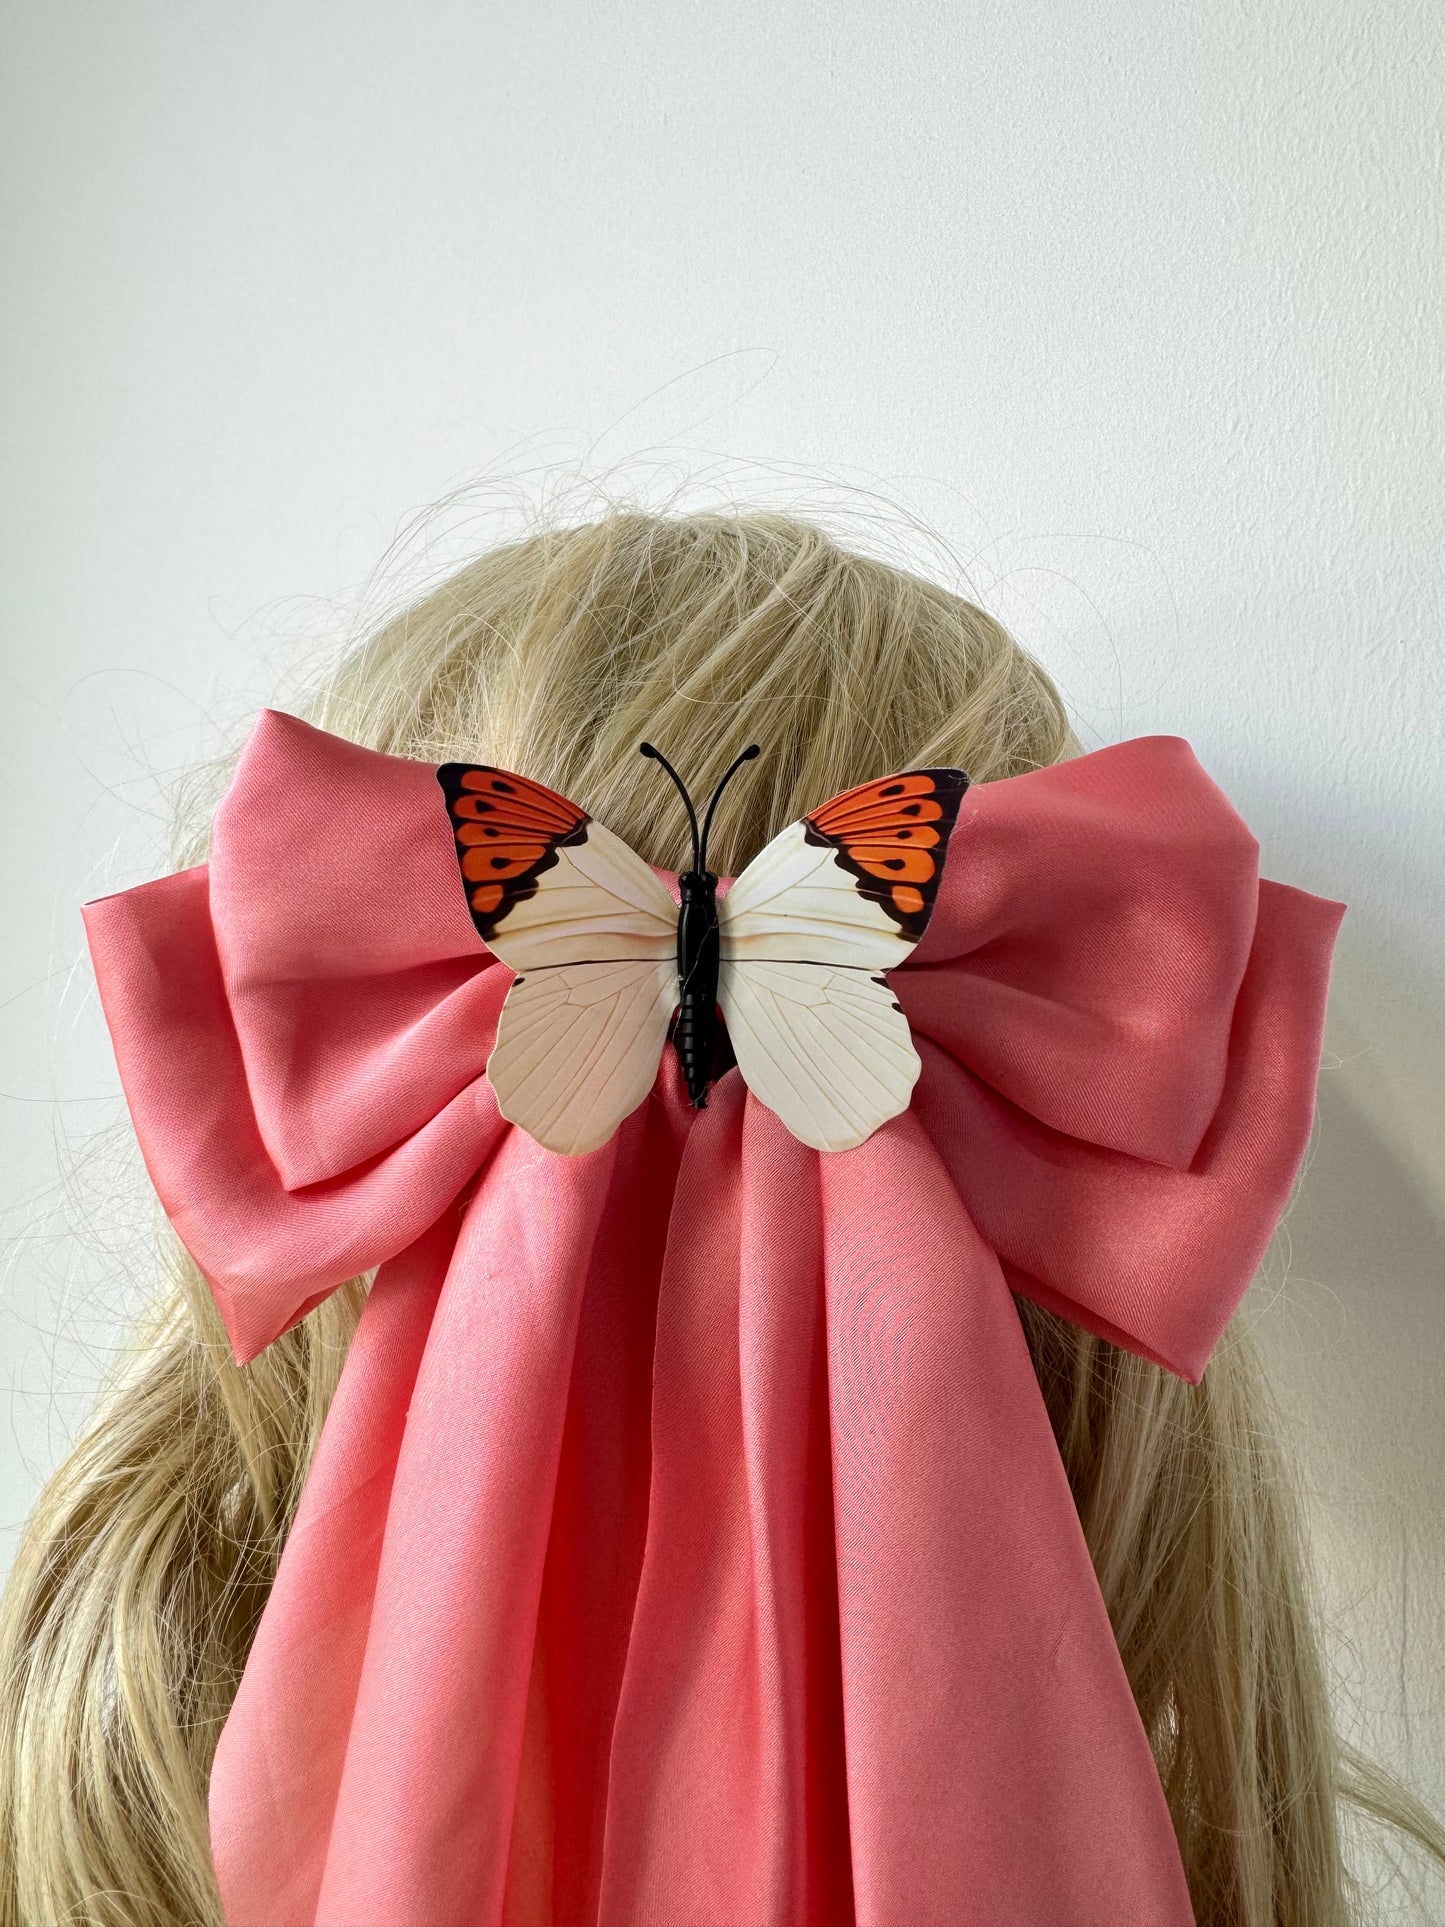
{"x":592,"y":934}
{"x":808,"y":931}
{"x":577,"y":1049}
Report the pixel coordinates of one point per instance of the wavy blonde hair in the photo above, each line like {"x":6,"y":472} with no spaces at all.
{"x":146,"y":1563}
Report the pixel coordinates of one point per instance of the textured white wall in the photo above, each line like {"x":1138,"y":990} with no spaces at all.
{"x":1140,"y":306}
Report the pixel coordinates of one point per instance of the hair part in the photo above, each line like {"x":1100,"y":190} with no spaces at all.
{"x":146,"y":1564}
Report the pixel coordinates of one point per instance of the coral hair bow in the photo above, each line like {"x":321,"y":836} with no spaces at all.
{"x":687,"y":1541}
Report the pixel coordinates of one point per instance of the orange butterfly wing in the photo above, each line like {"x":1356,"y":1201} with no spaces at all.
{"x":508,"y":831}
{"x":893,"y":836}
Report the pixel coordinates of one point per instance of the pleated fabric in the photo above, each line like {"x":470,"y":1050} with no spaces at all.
{"x":687,"y":1542}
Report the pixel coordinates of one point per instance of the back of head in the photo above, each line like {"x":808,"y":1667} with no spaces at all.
{"x":147,"y":1562}
{"x":555,"y":655}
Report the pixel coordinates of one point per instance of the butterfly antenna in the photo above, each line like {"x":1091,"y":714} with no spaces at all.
{"x":646,"y":749}
{"x":746,"y":756}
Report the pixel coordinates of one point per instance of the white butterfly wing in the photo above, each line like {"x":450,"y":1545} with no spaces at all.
{"x":591,"y":932}
{"x":596,"y":903}
{"x":795,"y":902}
{"x":808,"y":930}
{"x":578,"y":1047}
{"x":825,"y":1047}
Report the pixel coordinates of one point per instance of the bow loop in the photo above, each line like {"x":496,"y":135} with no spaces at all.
{"x":1088,"y":943}
{"x":1120,"y":1028}
{"x":354,"y":977}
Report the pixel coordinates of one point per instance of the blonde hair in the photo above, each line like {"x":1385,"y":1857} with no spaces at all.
{"x":146,"y":1563}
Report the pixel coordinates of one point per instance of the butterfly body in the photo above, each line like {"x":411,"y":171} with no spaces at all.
{"x":794,"y":956}
{"x":699,"y":958}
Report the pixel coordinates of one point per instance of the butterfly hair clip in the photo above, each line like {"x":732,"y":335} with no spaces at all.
{"x":792,"y":955}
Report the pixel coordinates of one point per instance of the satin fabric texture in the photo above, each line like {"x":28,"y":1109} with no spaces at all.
{"x":687,"y":1542}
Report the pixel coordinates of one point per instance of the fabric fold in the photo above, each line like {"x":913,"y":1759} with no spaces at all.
{"x":440,"y":1709}
{"x":1091,"y":931}
{"x":730,"y":1720}
{"x":270,"y":1249}
{"x":282,"y":1754}
{"x":1150,"y":1254}
{"x":978,"y":1665}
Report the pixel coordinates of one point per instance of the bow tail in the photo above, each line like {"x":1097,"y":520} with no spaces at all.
{"x":414,"y":1716}
{"x":726,"y":1801}
{"x":998,"y":1772}
{"x":281,"y":1755}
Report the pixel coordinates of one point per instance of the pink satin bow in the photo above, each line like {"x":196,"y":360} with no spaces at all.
{"x":687,"y":1542}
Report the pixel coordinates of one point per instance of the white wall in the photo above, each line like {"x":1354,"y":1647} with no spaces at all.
{"x":1139,"y":305}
